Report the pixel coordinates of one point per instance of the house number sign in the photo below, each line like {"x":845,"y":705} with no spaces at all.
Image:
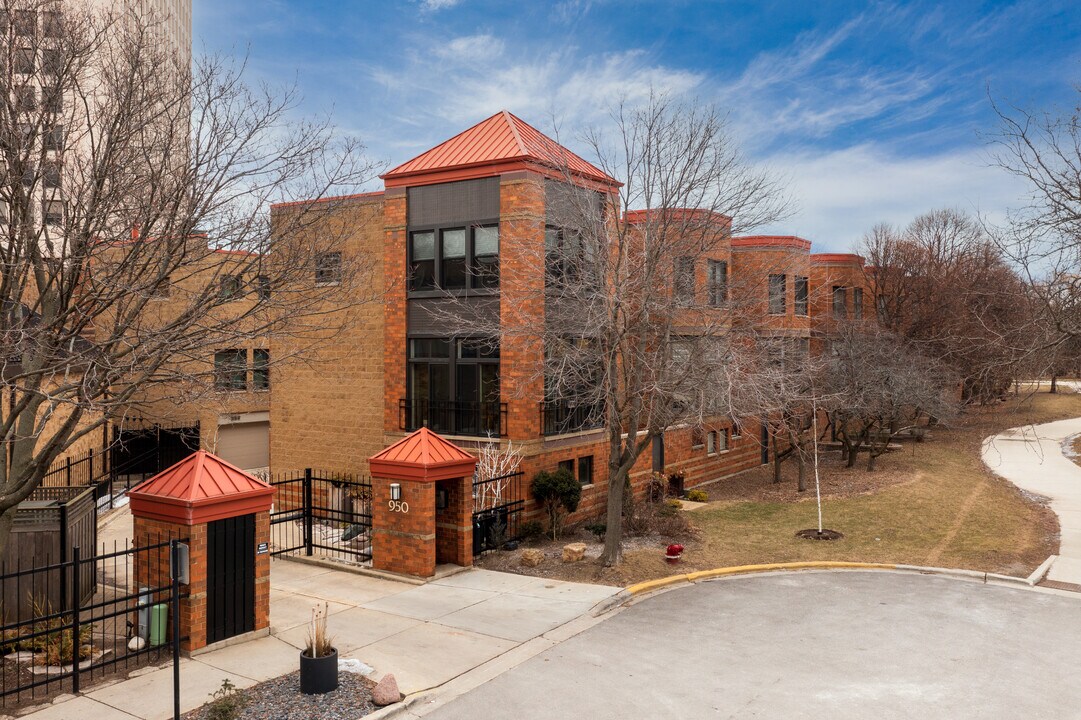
{"x":398,"y":506}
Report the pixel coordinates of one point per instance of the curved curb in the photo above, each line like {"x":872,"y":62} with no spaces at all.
{"x":639,"y":590}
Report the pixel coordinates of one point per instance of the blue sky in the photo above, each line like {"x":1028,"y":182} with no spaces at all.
{"x":872,"y":111}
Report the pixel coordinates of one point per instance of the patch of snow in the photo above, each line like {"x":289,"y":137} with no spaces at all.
{"x":355,"y":666}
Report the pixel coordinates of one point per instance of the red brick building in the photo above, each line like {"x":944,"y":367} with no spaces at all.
{"x":452,"y":222}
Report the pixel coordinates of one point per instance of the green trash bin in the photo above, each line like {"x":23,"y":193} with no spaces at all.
{"x":159,"y":624}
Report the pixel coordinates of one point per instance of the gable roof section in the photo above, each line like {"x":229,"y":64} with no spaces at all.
{"x":498,"y":144}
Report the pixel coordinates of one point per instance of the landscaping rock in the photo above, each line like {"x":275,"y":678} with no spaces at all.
{"x":532,"y":557}
{"x":574,"y":552}
{"x":386,"y":691}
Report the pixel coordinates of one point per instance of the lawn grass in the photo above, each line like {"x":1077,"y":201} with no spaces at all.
{"x":936,"y":505}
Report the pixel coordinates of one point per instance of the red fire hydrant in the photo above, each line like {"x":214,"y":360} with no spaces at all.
{"x":673,"y":553}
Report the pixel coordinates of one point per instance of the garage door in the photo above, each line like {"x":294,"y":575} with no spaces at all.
{"x":246,"y":445}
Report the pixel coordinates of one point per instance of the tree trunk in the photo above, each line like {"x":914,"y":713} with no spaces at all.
{"x":613,"y":535}
{"x":1054,"y":383}
{"x":853,"y":451}
{"x":871,"y":457}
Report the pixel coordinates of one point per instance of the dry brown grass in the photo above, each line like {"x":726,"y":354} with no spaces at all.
{"x":933,"y":503}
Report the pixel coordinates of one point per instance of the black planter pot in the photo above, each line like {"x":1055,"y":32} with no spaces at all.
{"x":318,"y":675}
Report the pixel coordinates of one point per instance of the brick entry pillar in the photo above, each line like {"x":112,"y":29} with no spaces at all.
{"x":409,"y":535}
{"x":180,"y":502}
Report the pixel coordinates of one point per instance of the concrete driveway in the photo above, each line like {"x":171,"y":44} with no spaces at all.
{"x":829,"y":645}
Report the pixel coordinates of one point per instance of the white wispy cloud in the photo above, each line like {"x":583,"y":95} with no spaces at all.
{"x":438,"y":4}
{"x":843,"y":193}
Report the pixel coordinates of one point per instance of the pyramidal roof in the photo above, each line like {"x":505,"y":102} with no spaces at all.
{"x":199,"y":488}
{"x":422,"y":456}
{"x":500,"y":143}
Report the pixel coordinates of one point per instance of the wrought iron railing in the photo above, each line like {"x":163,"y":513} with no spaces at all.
{"x":559,"y":417}
{"x":454,"y":417}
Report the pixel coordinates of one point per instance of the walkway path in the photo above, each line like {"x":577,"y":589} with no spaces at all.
{"x":425,"y":634}
{"x":1031,"y":457}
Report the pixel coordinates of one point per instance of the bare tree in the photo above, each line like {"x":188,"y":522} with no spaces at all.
{"x":137,"y":239}
{"x":876,"y":385}
{"x":943,"y":283}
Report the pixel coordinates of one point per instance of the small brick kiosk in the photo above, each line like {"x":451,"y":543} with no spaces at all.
{"x":422,"y":505}
{"x":225,"y":514}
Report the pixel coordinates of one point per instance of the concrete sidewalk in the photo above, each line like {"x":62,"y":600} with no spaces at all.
{"x":425,"y":635}
{"x":1032,"y":458}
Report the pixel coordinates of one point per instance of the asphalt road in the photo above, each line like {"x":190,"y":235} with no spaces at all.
{"x":826,"y":645}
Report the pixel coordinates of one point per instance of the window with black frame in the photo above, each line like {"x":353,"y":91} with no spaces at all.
{"x":684,"y":280}
{"x":840,"y":302}
{"x":718,"y":282}
{"x":231,"y":370}
{"x":260,"y":369}
{"x":777,"y":291}
{"x":453,"y":386}
{"x":563,"y":255}
{"x":801,"y":290}
{"x":456,"y":258}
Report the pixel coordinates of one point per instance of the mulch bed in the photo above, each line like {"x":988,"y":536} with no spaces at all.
{"x":281,"y":699}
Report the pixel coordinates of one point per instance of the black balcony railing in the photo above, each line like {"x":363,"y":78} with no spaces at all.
{"x":454,"y":417}
{"x":568,"y":416}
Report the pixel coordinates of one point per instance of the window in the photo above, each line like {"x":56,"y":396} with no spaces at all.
{"x":328,"y":268}
{"x":422,"y":260}
{"x":454,"y":259}
{"x":453,"y":385}
{"x":585,"y":470}
{"x":737,"y":428}
{"x":53,"y":139}
{"x":857,"y":303}
{"x":567,"y":465}
{"x":50,"y":174}
{"x":51,"y":24}
{"x":777,"y":288}
{"x":231,"y":370}
{"x":52,"y":61}
{"x":260,"y":369}
{"x":718,"y":282}
{"x":711,"y":442}
{"x":52,"y":99}
{"x":26,"y":98}
{"x":229,"y":286}
{"x":564,"y":254}
{"x":26,"y":22}
{"x":840,"y":302}
{"x":24,"y":61}
{"x":698,"y":438}
{"x":802,"y":291}
{"x":485,"y":267}
{"x":684,"y":280}
{"x":262,"y":287}
{"x":52,"y":211}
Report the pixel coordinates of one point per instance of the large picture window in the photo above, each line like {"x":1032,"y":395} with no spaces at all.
{"x":453,"y":386}
{"x":454,"y":258}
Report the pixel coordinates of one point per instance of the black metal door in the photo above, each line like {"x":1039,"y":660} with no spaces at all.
{"x":230,"y":591}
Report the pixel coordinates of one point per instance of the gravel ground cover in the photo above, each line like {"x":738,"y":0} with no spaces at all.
{"x":281,"y":699}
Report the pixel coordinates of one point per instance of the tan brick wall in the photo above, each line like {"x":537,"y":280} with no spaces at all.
{"x":326,"y":407}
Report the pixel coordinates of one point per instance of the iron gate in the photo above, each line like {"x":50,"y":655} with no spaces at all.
{"x":322,"y":514}
{"x":230,"y":577}
{"x":497,"y":510}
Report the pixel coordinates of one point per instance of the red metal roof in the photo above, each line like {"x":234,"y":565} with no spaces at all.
{"x":422,"y":456}
{"x":200,"y":488}
{"x":771,"y":241}
{"x":500,"y":143}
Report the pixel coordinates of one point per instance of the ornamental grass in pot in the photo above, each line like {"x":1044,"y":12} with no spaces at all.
{"x":319,"y":658}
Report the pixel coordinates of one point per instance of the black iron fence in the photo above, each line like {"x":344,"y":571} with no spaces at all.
{"x":66,"y":638}
{"x":134,"y":455}
{"x":565,"y":416}
{"x":322,"y":514}
{"x":452,"y":417}
{"x":498,"y":505}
